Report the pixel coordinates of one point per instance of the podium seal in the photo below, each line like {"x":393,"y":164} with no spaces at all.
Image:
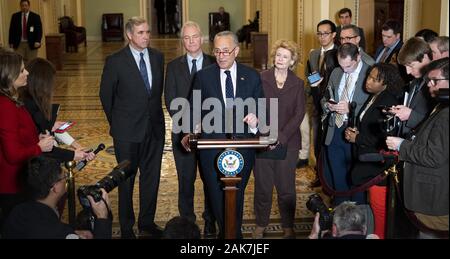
{"x":230,"y":163}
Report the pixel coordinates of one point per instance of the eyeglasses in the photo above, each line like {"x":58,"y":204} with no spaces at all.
{"x":434,"y":81}
{"x":217,"y":52}
{"x":348,"y":38}
{"x":64,"y":177}
{"x":323,"y":34}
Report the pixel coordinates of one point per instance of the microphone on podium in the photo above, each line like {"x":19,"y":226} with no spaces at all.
{"x":83,"y":162}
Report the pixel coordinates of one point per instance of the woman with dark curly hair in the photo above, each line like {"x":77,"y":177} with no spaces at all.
{"x":384,"y":84}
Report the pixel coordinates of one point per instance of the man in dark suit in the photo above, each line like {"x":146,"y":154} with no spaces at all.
{"x":130,"y":92}
{"x":180,"y":73}
{"x":222,"y":20}
{"x":222,"y":83}
{"x":25,"y":32}
{"x":345,"y":19}
{"x":392,"y":43}
{"x":160,"y":16}
{"x":346,"y":85}
{"x":425,"y":185}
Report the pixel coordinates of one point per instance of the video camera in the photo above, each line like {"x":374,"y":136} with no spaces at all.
{"x":118,"y":175}
{"x":315,"y":204}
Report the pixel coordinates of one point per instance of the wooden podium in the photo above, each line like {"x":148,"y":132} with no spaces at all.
{"x":231,"y":178}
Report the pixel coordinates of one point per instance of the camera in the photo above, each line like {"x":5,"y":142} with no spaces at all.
{"x":119,"y":174}
{"x":315,"y":204}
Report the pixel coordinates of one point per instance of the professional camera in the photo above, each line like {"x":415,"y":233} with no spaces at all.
{"x":391,"y":123}
{"x":119,"y":174}
{"x":315,"y":204}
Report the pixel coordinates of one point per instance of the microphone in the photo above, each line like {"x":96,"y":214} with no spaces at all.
{"x":352,"y":115}
{"x":83,"y":162}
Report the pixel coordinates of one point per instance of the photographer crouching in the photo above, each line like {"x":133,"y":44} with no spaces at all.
{"x":349,"y":221}
{"x":426,"y":157}
{"x":39,"y":218}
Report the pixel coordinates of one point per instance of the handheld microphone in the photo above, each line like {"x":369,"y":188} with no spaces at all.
{"x":352,"y":117}
{"x":83,"y":163}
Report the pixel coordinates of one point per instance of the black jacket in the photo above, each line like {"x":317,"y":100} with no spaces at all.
{"x":35,"y":220}
{"x":34,"y":29}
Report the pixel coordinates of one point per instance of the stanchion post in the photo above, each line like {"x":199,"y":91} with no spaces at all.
{"x":71,"y":192}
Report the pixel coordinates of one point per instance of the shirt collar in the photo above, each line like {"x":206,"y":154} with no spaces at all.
{"x":394,"y":45}
{"x":137,"y":52}
{"x":327,"y":49}
{"x":232,"y":69}
{"x":190,"y":58}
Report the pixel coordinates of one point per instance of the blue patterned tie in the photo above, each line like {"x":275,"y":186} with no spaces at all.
{"x":194,"y":67}
{"x":229,"y":92}
{"x":143,"y":70}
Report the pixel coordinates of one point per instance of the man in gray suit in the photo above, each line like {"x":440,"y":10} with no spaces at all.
{"x":345,"y":18}
{"x":180,"y":73}
{"x":351,"y":34}
{"x":326,"y":33}
{"x":346,"y":85}
{"x":130,"y":92}
{"x":425,"y":185}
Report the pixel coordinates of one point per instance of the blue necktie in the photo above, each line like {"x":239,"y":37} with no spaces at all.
{"x":143,"y":70}
{"x":229,"y":92}
{"x":194,"y":67}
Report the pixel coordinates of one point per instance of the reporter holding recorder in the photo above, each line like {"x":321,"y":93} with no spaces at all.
{"x":426,"y":183}
{"x":37,"y":97}
{"x":383,"y":83}
{"x":19,"y":138}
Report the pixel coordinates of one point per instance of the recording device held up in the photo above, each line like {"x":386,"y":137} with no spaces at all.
{"x":391,"y":123}
{"x":315,"y":204}
{"x":84,"y":162}
{"x":85,"y":219}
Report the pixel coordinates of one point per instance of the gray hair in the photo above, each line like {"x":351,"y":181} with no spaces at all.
{"x":134,"y":21}
{"x":349,"y":217}
{"x":190,"y":24}
{"x":228,"y":34}
{"x":352,"y":27}
{"x":441,"y":42}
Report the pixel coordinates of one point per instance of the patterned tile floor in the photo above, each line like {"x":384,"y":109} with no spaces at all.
{"x":77,"y":92}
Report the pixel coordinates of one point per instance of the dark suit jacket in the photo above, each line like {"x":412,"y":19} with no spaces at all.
{"x":426,"y":187}
{"x":360,"y":97}
{"x":421,"y":105}
{"x":42,"y":124}
{"x":223,"y":19}
{"x":34,"y":29}
{"x":371,"y":138}
{"x":178,"y":82}
{"x":129,"y":109}
{"x":392,"y":59}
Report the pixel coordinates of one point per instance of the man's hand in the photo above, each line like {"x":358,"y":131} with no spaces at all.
{"x":315,"y":231}
{"x":185,"y":143}
{"x":251,"y":120}
{"x":350,"y":134}
{"x":402,"y":112}
{"x":37,"y":45}
{"x":393,"y":143}
{"x":100,"y":208}
{"x":84,"y":234}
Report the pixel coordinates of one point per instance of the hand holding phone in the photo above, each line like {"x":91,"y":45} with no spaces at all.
{"x":314,"y":78}
{"x":332,"y":101}
{"x":66,"y":126}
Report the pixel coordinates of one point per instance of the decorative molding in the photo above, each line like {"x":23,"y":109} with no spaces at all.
{"x":185,"y":7}
{"x":356,"y":8}
{"x":300,"y":28}
{"x":406,"y":18}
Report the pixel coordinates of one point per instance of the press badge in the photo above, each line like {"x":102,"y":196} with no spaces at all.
{"x":32,"y":29}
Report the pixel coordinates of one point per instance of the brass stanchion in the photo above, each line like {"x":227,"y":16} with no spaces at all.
{"x":71,"y":192}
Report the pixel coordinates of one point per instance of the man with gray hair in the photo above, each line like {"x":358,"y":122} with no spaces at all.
{"x":130,"y":92}
{"x":351,"y":34}
{"x":180,"y":73}
{"x":439,"y":46}
{"x":349,"y":222}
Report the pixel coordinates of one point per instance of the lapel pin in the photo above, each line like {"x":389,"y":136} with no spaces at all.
{"x":242,"y":79}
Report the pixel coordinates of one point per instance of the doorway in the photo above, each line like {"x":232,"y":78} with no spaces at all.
{"x":385,"y":10}
{"x":165,"y":17}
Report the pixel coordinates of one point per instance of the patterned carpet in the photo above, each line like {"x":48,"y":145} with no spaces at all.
{"x":77,"y":91}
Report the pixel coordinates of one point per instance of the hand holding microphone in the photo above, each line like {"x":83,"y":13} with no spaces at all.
{"x":83,"y":163}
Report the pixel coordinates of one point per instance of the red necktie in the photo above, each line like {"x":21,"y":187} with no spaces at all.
{"x":24,"y":27}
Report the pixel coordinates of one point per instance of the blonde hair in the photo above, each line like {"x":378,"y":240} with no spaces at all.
{"x":285,"y":44}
